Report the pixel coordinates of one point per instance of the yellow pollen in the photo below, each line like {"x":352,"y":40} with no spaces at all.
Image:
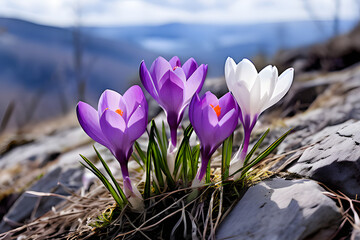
{"x":175,"y":68}
{"x":217,"y":109}
{"x":118,"y":111}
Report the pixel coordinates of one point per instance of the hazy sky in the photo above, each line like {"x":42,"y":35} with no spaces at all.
{"x":126,"y":12}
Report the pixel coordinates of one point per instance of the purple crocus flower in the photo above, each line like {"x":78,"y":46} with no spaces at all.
{"x":117,"y":123}
{"x":173,"y":86}
{"x":213,"y":120}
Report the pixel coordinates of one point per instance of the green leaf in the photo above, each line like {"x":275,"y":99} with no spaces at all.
{"x":161,"y":154}
{"x":136,"y":158}
{"x":103,"y":179}
{"x":194,"y":161}
{"x":255,"y":147}
{"x":264,"y":154}
{"x":141,"y":153}
{"x":207,"y":178}
{"x":122,"y":195}
{"x":164,"y":137}
{"x":179,"y":156}
{"x":226,"y":156}
{"x":147,"y":187}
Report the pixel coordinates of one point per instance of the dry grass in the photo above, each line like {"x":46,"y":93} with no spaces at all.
{"x":180,"y":214}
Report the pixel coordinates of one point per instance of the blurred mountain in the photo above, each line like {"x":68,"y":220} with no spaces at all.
{"x":212,"y":44}
{"x":39,"y":69}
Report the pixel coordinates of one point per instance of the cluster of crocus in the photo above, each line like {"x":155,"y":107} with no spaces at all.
{"x":120,"y":120}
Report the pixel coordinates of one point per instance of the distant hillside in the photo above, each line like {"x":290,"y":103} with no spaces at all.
{"x":212,"y":44}
{"x":37,"y":61}
{"x":37,"y":66}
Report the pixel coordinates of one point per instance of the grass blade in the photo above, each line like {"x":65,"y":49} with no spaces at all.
{"x":141,"y":153}
{"x":161,"y":154}
{"x":194,"y":161}
{"x":226,"y":156}
{"x":208,"y":169}
{"x":179,"y":157}
{"x":265,"y":153}
{"x":103,"y":179}
{"x":255,"y":147}
{"x":164,"y":137}
{"x":118,"y":188}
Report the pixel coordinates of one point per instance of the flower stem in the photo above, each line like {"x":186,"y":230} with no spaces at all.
{"x":126,"y":179}
{"x":245,"y":145}
{"x":173,"y":133}
{"x":202,"y":171}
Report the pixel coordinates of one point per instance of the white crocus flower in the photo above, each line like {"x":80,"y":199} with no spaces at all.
{"x":255,"y":92}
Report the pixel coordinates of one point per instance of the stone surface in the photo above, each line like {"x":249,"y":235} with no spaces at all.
{"x":355,"y":235}
{"x":334,"y":159}
{"x":282,"y":209}
{"x":29,"y":206}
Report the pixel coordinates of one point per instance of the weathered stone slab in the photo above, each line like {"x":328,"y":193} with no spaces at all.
{"x":334,"y":159}
{"x":28,"y":206}
{"x":281,"y":209}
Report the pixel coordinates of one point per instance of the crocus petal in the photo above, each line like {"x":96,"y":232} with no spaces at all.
{"x":204,"y":129}
{"x":282,"y":87}
{"x":180,"y":73}
{"x":137,"y":124}
{"x":175,"y":62}
{"x":246,"y":72}
{"x":133,"y":97}
{"x":189,"y":67}
{"x":147,"y":81}
{"x":230,"y":69}
{"x":89,"y":121}
{"x":195,"y":82}
{"x":194,"y":114}
{"x":226,"y":103}
{"x":209,"y":98}
{"x":113,"y":127}
{"x":268,"y":77}
{"x":173,"y":77}
{"x":242,"y":96}
{"x":171,"y":91}
{"x":212,"y":118}
{"x":227,"y":125}
{"x":159,"y":67}
{"x":109,"y":99}
{"x":254,"y":97}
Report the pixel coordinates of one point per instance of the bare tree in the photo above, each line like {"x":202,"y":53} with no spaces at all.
{"x":336,"y":16}
{"x":78,"y":54}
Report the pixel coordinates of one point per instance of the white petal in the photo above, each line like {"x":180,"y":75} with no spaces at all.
{"x":255,"y":102}
{"x":246,"y":72}
{"x":268,"y":78}
{"x":242,"y":96}
{"x":282,"y":87}
{"x":230,"y":68}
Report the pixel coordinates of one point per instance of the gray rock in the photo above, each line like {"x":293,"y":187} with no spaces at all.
{"x":28,"y":207}
{"x":334,"y":159}
{"x":282,"y":209}
{"x":45,"y":149}
{"x":355,"y":235}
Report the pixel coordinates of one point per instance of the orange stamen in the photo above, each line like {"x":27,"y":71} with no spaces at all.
{"x":118,"y":111}
{"x":217,"y":109}
{"x":175,"y":68}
